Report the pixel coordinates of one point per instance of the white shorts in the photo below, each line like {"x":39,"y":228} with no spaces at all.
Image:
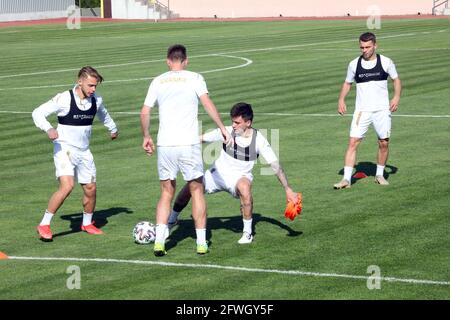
{"x":70,"y":161}
{"x":187,"y":159}
{"x":215,"y":182}
{"x":381,"y":121}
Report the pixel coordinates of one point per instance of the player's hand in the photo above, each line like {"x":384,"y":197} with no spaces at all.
{"x":291,"y":196}
{"x":394,"y":104}
{"x":342,"y":107}
{"x":114,"y":135}
{"x":226,"y":137}
{"x":52,"y":134}
{"x":148,"y":145}
{"x":293,"y":209}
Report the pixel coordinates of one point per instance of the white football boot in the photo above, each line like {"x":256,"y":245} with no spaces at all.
{"x":246,"y":238}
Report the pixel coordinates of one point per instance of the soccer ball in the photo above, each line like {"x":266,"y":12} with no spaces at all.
{"x":144,"y":232}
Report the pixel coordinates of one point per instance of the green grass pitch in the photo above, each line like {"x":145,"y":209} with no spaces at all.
{"x":293,"y":81}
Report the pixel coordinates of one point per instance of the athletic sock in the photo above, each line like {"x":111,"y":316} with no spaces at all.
{"x":380,"y":170}
{"x":87,"y":219}
{"x":160,"y":233}
{"x":47,"y":218}
{"x":247,"y":226}
{"x":173,"y":216}
{"x":201,"y":236}
{"x":348,"y":173}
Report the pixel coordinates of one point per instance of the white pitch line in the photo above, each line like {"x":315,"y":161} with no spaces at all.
{"x":247,"y":63}
{"x":220,"y":53}
{"x":268,"y":114}
{"x":125,"y":64}
{"x":232,"y":268}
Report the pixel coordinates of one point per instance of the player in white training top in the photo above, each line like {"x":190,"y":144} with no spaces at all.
{"x":232,"y":171}
{"x":370,"y":71}
{"x":76,"y":109}
{"x":177,"y":93}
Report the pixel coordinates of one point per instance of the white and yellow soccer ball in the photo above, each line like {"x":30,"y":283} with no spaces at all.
{"x":144,"y":232}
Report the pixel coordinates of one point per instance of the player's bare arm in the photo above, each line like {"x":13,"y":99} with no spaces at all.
{"x":342,"y":107}
{"x":397,"y":93}
{"x":214,"y":115}
{"x":147,"y":143}
{"x":290,"y":194}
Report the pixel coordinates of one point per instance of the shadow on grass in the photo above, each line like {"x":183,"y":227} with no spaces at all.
{"x":100,"y":217}
{"x":185,"y":228}
{"x":370,"y":169}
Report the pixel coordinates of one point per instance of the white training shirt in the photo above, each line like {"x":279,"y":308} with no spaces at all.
{"x":75,"y":136}
{"x":226,"y":163}
{"x":373,"y":95}
{"x":177,"y":93}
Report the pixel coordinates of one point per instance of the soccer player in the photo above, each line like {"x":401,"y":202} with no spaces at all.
{"x":232,"y":171}
{"x":370,"y":71}
{"x":76,"y":109}
{"x":177,"y":93}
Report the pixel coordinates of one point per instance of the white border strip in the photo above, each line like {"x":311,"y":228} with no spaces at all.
{"x":243,"y":269}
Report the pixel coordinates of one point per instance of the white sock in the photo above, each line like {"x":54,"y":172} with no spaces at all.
{"x":87,"y":218}
{"x":201,"y":236}
{"x":380,"y":170}
{"x":247,"y":226}
{"x":348,"y":173}
{"x":160,"y":233}
{"x":173,"y":216}
{"x":46,"y":219}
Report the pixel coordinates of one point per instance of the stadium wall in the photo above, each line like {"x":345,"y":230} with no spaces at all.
{"x":296,"y":8}
{"x":20,"y":10}
{"x":132,"y":9}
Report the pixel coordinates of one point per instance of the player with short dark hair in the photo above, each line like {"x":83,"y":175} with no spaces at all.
{"x":232,"y":171}
{"x":243,"y":110}
{"x":177,"y":93}
{"x":177,"y":52}
{"x":370,"y":71}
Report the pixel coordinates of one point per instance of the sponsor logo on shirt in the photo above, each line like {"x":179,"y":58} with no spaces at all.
{"x":83,"y":116}
{"x":173,"y":79}
{"x":369,"y":74}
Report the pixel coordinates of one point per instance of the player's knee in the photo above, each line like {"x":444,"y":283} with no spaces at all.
{"x":66,"y":188}
{"x":168,"y":188}
{"x":244,"y":188}
{"x":383,"y":143}
{"x":66,"y":191}
{"x":196,"y":187}
{"x":354,"y":143}
{"x":245,"y":194}
{"x":90,"y":190}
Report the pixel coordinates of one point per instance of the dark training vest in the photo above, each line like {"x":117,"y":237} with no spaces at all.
{"x":240,"y":153}
{"x":375,"y":74}
{"x":77,"y":117}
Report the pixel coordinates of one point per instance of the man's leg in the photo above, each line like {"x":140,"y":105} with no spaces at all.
{"x":162,"y":215}
{"x":349,"y":163}
{"x":382,"y":125}
{"x":196,"y":189}
{"x":89,"y":201}
{"x":66,"y":184}
{"x":198,"y":202}
{"x":89,"y":197}
{"x":244,"y":190}
{"x":181,"y":201}
{"x":163,"y":207}
{"x":383,"y":153}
